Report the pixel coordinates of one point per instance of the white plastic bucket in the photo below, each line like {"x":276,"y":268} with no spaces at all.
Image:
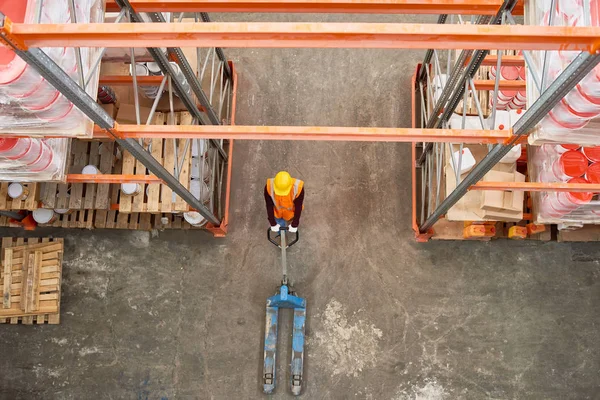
{"x":17,"y":191}
{"x":44,"y":216}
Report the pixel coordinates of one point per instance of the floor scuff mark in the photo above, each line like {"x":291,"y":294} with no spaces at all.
{"x":346,"y":345}
{"x":429,"y":389}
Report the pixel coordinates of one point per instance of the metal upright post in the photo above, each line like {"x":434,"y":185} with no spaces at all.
{"x":565,"y":82}
{"x":58,"y":78}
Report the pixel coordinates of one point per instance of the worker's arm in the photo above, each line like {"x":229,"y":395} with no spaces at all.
{"x":270,"y":208}
{"x":298,"y":208}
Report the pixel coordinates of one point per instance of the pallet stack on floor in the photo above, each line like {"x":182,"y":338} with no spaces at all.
{"x":31,"y":280}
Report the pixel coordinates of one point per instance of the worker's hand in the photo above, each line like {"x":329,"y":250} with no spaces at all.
{"x":293,"y":229}
{"x":275,"y":228}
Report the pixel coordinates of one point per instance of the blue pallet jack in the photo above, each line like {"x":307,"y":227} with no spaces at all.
{"x":284,"y":298}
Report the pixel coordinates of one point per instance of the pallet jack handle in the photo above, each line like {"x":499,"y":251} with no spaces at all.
{"x":285,"y":229}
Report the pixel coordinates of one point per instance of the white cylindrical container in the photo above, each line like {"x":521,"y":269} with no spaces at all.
{"x":153,"y":68}
{"x":142,"y":70}
{"x":179,"y":76}
{"x":63,"y":211}
{"x":131,"y":189}
{"x":194,"y":218}
{"x":17,"y":191}
{"x":44,"y":216}
{"x":90,"y":170}
{"x":200,"y":190}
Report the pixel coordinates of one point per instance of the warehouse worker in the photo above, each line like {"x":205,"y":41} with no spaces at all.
{"x":284,"y":197}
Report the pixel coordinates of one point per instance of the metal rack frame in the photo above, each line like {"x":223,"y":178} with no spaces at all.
{"x":487,"y":31}
{"x":428,"y":157}
{"x":213,"y":109}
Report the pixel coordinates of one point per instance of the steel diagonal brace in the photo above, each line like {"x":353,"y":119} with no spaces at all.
{"x":58,"y":78}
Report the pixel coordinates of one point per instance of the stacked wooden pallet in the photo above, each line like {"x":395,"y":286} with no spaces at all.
{"x":31,"y":276}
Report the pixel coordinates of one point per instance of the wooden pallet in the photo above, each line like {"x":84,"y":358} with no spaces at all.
{"x":159,"y":198}
{"x":173,"y":221}
{"x":82,"y":196}
{"x":119,"y":220}
{"x":30,"y":203}
{"x":31,"y":275}
{"x":75,"y":219}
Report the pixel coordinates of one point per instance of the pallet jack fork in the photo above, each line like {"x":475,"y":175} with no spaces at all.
{"x":284,"y":298}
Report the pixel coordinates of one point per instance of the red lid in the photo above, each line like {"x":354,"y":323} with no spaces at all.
{"x":509,"y":73}
{"x":573,"y":163}
{"x":593,"y":173}
{"x":7,"y":143}
{"x":570,"y":146}
{"x":592,"y":153}
{"x":508,"y":93}
{"x":15,"y":10}
{"x":579,"y":197}
{"x":522,"y":73}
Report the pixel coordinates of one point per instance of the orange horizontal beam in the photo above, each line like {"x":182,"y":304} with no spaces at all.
{"x":503,"y":84}
{"x":538,"y":187}
{"x":112,"y":178}
{"x":127,"y":80}
{"x":329,"y":133}
{"x":310,"y":35}
{"x":465,"y":7}
{"x":510,"y":61}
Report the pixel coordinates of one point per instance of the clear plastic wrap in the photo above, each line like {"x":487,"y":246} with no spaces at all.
{"x":29,"y":105}
{"x":565,"y":163}
{"x":576,"y":119}
{"x":32,"y":159}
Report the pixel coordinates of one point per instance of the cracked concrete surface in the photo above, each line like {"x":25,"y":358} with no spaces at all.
{"x":180,"y":316}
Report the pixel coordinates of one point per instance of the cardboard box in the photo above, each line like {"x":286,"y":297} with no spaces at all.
{"x":502,"y":205}
{"x":111,"y":109}
{"x":126,"y":114}
{"x":514,"y":200}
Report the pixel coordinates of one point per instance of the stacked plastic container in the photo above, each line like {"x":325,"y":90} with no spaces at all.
{"x":29,"y":105}
{"x":567,"y":164}
{"x":509,"y":99}
{"x":576,"y":118}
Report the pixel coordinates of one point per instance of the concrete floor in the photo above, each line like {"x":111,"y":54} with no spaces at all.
{"x":180,"y":316}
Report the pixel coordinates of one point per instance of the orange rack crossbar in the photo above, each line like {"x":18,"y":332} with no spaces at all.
{"x":327,"y":133}
{"x":502,"y":84}
{"x":510,"y":61}
{"x":465,"y":7}
{"x":127,"y":80}
{"x":538,"y":187}
{"x":310,"y":35}
{"x":112,"y":178}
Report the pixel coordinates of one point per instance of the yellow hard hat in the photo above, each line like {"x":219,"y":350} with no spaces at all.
{"x":283,"y":183}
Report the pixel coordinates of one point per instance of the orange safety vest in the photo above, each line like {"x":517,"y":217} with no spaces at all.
{"x":284,"y":205}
